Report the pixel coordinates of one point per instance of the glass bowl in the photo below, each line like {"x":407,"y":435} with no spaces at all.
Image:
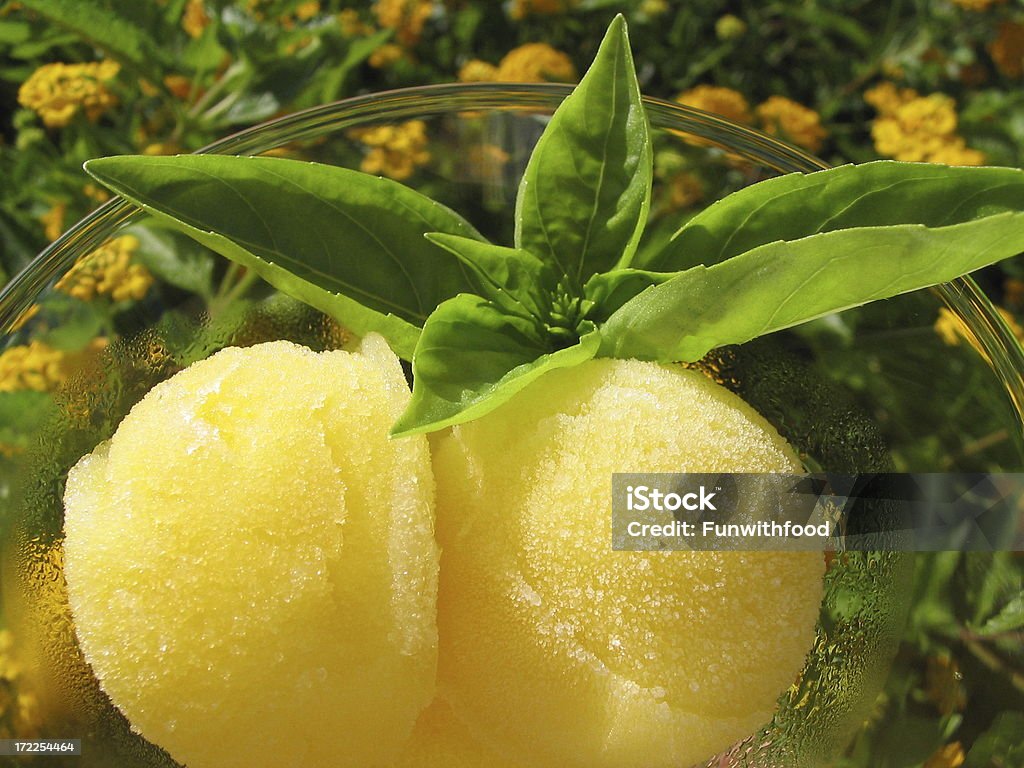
{"x":927,"y":382}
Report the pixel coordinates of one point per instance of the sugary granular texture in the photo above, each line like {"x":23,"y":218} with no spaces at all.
{"x":559,"y":651}
{"x":441,"y":740}
{"x":251,"y":562}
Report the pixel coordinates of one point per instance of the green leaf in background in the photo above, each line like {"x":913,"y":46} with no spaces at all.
{"x":472,"y":357}
{"x":782,"y":284}
{"x":73,"y":322}
{"x":332,"y":76}
{"x":349,"y":244}
{"x":584,"y":197}
{"x":1001,"y":746}
{"x":517,"y":281}
{"x":109,"y":32}
{"x":22,"y":415}
{"x":175,"y":258}
{"x":797,"y":205}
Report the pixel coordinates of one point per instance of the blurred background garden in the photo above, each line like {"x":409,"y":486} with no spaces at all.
{"x":844,"y":80}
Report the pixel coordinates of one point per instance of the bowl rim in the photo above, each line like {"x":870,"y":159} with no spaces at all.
{"x":963,"y":297}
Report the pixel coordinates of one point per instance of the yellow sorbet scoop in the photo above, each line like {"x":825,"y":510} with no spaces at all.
{"x":251,"y":563}
{"x":561,"y":652}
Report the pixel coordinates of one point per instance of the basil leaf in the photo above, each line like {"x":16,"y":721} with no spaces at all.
{"x":786,"y":283}
{"x":610,"y":290}
{"x":584,"y":197}
{"x":472,"y":357}
{"x":879,"y":194}
{"x":347,"y":243}
{"x":515,"y":280}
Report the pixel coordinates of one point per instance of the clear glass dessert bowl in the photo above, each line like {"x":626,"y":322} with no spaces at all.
{"x":927,"y":382}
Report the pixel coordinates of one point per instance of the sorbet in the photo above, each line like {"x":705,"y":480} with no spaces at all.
{"x":561,"y":652}
{"x":251,"y":563}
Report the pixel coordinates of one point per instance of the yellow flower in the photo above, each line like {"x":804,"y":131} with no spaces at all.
{"x":955,"y":152}
{"x":95,"y":193}
{"x":477,"y":71}
{"x":654,"y":7}
{"x":949,"y":756}
{"x":195,"y":19}
{"x":352,"y":25}
{"x":523,"y":8}
{"x":386,"y":55}
{"x":53,"y":221}
{"x":108,"y":271}
{"x":395,"y":150}
{"x":1007,"y":50}
{"x":535,"y":63}
{"x":56,"y":92}
{"x":917,"y":129}
{"x":952,"y":330}
{"x":306,"y":11}
{"x":977,"y":5}
{"x":35,"y":366}
{"x":784,"y":117}
{"x":726,"y":102}
{"x":730,"y":27}
{"x":887,"y":98}
{"x":406,"y":17}
{"x":161,"y":148}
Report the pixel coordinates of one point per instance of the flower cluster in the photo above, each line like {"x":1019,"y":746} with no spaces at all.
{"x":726,"y":102}
{"x":777,"y":115}
{"x":395,"y":150}
{"x":36,"y":366}
{"x":794,"y":122}
{"x":529,"y":63}
{"x":195,"y":19}
{"x":918,"y":128}
{"x":57,"y":92}
{"x":108,"y":271}
{"x":406,"y":17}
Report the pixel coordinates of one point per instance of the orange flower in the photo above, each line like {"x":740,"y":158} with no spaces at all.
{"x":535,"y":63}
{"x":1007,"y":50}
{"x":726,"y":102}
{"x":784,"y":117}
{"x":406,"y":17}
{"x":522,"y":8}
{"x":477,"y":71}
{"x":195,"y":19}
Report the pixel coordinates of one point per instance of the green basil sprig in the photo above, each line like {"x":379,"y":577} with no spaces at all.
{"x":347,"y":243}
{"x":480,"y":321}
